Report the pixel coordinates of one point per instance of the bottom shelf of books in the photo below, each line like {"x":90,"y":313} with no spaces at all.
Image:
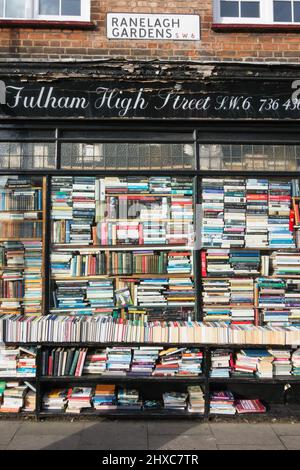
{"x":157,"y":381}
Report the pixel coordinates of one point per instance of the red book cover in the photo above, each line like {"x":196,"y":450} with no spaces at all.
{"x":203,"y":264}
{"x":257,"y":197}
{"x":297,"y":214}
{"x":141,"y":234}
{"x":50,"y":365}
{"x":292,"y":220}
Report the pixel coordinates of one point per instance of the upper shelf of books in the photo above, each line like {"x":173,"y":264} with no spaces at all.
{"x":250,"y":213}
{"x":122,"y":211}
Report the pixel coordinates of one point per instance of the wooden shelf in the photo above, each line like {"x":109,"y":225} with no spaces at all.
{"x":21,"y":211}
{"x":129,"y":247}
{"x":20,"y":239}
{"x":127,"y":276}
{"x":119,"y":413}
{"x":189,"y":196}
{"x":102,"y":378}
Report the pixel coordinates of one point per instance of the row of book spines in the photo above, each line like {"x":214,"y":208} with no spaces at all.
{"x":21,"y":230}
{"x":121,"y":263}
{"x":263,"y":270}
{"x":19,"y":201}
{"x":63,"y":362}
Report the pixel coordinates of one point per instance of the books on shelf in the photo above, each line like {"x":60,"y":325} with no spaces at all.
{"x":13,"y":398}
{"x":296,"y":362}
{"x":63,"y":362}
{"x":247,"y":212}
{"x":228,"y":299}
{"x":55,"y":400}
{"x":20,"y":194}
{"x":229,"y":263}
{"x":175,"y":401}
{"x":105,"y":397}
{"x":222,"y":402}
{"x":281,"y":362}
{"x":19,"y":362}
{"x":79,"y":399}
{"x":196,"y":399}
{"x":221,"y":362}
{"x":83,"y":297}
{"x":111,"y":211}
{"x":249,"y":406}
{"x":144,"y":360}
{"x":129,"y":399}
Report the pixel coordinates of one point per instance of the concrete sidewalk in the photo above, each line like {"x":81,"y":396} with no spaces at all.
{"x":147,"y":435}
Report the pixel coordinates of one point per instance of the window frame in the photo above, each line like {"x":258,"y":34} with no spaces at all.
{"x":33,"y":14}
{"x":266,"y":15}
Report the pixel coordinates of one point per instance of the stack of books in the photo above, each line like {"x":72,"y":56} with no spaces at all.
{"x":169,"y":361}
{"x":196,"y":400}
{"x":26,"y":362}
{"x":282,"y":362}
{"x":222,"y":402}
{"x":213,"y":212}
{"x":229,"y":263}
{"x":257,"y":213}
{"x":73,"y":209}
{"x":150,"y":293}
{"x":144,"y":360}
{"x":105,"y":397}
{"x":8,"y":361}
{"x":221,"y":361}
{"x":179,"y":262}
{"x":280,"y":231}
{"x":249,"y":406}
{"x":95,"y":362}
{"x":79,"y":398}
{"x":30,"y":402}
{"x":228,"y":299}
{"x":191,"y":362}
{"x":175,"y":401}
{"x":118,"y":360}
{"x":55,"y":400}
{"x":286,"y":264}
{"x":234,"y":213}
{"x":82,"y":297}
{"x":296,"y":362}
{"x":180,"y":292}
{"x":100,"y":294}
{"x":13,"y":397}
{"x":251,"y":362}
{"x":129,"y":399}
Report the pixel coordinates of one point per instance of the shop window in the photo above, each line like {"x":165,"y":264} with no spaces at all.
{"x":52,"y":10}
{"x":27,"y":155}
{"x":127,"y":156}
{"x":248,"y":157}
{"x":257,"y":11}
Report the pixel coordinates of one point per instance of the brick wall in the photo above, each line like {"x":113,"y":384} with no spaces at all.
{"x":29,"y":43}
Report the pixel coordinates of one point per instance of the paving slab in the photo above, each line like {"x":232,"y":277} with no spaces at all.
{"x":50,"y":428}
{"x":182,"y":442}
{"x":36,"y":442}
{"x":178,"y":427}
{"x":111,"y":436}
{"x":7,"y":431}
{"x":246,"y":434}
{"x":291,"y":442}
{"x":246,"y":447}
{"x":286,"y":429}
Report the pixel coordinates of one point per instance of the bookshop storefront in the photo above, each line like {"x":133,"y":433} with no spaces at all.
{"x":151,"y":204}
{"x":129,"y":167}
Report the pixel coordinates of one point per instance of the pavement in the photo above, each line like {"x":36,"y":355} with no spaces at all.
{"x":147,"y":435}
